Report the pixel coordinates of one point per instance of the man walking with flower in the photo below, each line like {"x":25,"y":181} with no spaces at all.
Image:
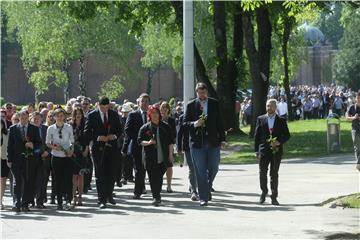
{"x":271,"y":133}
{"x":207,"y":136}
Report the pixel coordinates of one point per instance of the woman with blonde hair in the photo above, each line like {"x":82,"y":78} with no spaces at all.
{"x":165,"y":111}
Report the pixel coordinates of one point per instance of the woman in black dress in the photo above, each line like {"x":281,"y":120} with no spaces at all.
{"x":81,"y":150}
{"x":165,"y":111}
{"x":155,"y":138}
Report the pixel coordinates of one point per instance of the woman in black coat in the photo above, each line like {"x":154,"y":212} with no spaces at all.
{"x":156,"y":140}
{"x":165,"y":117}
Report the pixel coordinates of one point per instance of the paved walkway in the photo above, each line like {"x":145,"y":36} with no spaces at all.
{"x":233,"y":213}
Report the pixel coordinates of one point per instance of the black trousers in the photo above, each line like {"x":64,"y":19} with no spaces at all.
{"x":274,"y":161}
{"x":156,"y":173}
{"x":62,"y":169}
{"x":128,"y":166}
{"x":105,"y":162}
{"x":88,"y":176}
{"x":24,"y":182}
{"x":139,"y":174}
{"x":119,"y":166}
{"x":42,"y":179}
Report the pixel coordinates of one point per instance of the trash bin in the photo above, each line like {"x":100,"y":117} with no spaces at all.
{"x":333,"y":133}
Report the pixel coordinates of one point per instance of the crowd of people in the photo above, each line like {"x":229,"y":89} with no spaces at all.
{"x":307,"y":102}
{"x":65,"y":145}
{"x":119,"y":144}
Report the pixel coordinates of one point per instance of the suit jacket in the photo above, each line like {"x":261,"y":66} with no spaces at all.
{"x":262,"y":134}
{"x":43,"y":146}
{"x":183,"y":135}
{"x":94,"y":127}
{"x":172,"y":126}
{"x":132,"y":126}
{"x":214,"y":126}
{"x":16,"y":144}
{"x":150,"y":152}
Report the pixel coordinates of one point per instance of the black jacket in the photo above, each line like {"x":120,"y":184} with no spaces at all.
{"x":183,"y":135}
{"x":214,"y":125}
{"x":150,"y":152}
{"x":132,"y":126}
{"x":16,"y":145}
{"x":94,"y":127}
{"x":262,"y":134}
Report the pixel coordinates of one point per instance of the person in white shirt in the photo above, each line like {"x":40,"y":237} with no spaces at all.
{"x":282,"y":108}
{"x":60,"y":139}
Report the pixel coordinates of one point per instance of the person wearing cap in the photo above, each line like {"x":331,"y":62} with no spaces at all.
{"x":103,"y":127}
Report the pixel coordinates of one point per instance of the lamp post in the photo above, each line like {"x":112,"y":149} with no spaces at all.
{"x":188,"y":50}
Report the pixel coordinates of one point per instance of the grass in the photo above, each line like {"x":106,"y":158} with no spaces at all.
{"x":308,"y":139}
{"x":351,"y":201}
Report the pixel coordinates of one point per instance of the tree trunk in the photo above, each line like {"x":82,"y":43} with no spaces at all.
{"x":200,"y":69}
{"x":67,"y":85}
{"x":284,"y":47}
{"x":259,"y":60}
{"x":150,"y":74}
{"x":82,"y":80}
{"x":225,"y":85}
{"x":236,"y":57}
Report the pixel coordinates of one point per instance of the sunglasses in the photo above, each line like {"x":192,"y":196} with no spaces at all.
{"x":60,"y":133}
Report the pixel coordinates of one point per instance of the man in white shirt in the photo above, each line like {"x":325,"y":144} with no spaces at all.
{"x":282,"y":108}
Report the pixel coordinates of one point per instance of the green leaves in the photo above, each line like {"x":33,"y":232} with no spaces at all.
{"x":112,"y":88}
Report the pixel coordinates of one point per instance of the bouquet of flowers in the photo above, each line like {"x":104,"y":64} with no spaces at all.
{"x":202,"y":117}
{"x":271,"y":140}
{"x":28,"y":152}
{"x":108,"y":132}
{"x":151,"y":134}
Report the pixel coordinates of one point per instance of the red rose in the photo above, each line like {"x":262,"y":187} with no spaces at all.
{"x":148,"y":133}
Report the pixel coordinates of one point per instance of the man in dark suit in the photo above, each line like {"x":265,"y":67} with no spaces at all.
{"x":134,"y":122}
{"x":42,"y":162}
{"x":183,"y":146}
{"x":207,"y":136}
{"x":24,"y":142}
{"x":103,"y":127}
{"x":271,"y":133}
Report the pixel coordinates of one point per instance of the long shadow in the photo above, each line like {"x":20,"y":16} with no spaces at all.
{"x":333,"y":235}
{"x":332,"y":160}
{"x":232,"y":170}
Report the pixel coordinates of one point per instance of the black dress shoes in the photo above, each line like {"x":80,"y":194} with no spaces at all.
{"x":274,"y":201}
{"x":136,"y":196}
{"x":112,"y":201}
{"x":16,"y":209}
{"x":156,"y":202}
{"x":102,"y":206}
{"x":262,"y":198}
{"x":26,"y":209}
{"x":210,"y":196}
{"x":40,"y":206}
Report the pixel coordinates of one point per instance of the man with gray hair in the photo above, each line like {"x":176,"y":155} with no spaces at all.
{"x":271,"y":133}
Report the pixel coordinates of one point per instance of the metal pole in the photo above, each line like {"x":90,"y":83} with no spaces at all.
{"x":188,"y":50}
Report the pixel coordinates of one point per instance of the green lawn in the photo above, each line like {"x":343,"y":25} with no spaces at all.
{"x":352,"y":201}
{"x":308,"y":139}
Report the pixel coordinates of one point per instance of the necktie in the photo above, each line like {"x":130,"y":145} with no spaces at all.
{"x":144,"y":117}
{"x":40,"y":133}
{"x":105,"y":120}
{"x":23,"y":132}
